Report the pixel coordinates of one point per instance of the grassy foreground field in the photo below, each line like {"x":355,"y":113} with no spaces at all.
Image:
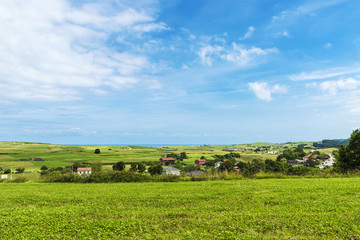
{"x":243,"y":209}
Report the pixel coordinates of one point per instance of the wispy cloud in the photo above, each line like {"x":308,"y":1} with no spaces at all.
{"x":243,"y":56}
{"x":308,"y":8}
{"x":324,"y":74}
{"x":249,"y":33}
{"x":236,"y":53}
{"x":284,"y":33}
{"x":52,"y":50}
{"x":264,"y":92}
{"x":327,"y":45}
{"x":208,"y":53}
{"x":285,"y":20}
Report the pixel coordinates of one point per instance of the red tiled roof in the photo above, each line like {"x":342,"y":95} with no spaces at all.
{"x":84,"y":169}
{"x":168,"y":159}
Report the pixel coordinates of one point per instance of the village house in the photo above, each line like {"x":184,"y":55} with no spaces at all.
{"x":200,"y":162}
{"x":84,"y":170}
{"x":273,"y":152}
{"x":171,"y":171}
{"x":167,"y":160}
{"x":295,"y":162}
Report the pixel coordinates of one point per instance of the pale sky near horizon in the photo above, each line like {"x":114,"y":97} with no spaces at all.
{"x":179,"y":72}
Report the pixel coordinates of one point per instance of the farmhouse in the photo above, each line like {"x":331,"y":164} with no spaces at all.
{"x":84,"y":170}
{"x":200,"y":161}
{"x":295,"y":162}
{"x":171,"y":171}
{"x":167,"y":160}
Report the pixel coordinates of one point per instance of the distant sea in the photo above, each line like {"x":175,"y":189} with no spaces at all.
{"x":140,"y":145}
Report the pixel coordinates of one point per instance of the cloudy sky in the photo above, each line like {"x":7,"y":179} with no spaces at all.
{"x":179,"y":71}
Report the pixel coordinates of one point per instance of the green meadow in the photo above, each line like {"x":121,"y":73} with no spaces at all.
{"x":65,"y":155}
{"x":316,"y":208}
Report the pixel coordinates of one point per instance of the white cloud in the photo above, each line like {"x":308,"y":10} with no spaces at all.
{"x":236,"y":53}
{"x":51,"y":50}
{"x":249,"y":33}
{"x":264,"y":92}
{"x":332,"y":87}
{"x":243,"y":56}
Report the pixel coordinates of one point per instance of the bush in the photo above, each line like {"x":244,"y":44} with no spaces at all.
{"x":117,"y":176}
{"x":58,"y":177}
{"x":43,"y":168}
{"x":20,"y":179}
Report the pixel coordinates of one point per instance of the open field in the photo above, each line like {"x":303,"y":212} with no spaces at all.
{"x":242,"y":209}
{"x":64,"y":155}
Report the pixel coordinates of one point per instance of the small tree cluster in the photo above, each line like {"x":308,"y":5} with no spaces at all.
{"x":138,"y":167}
{"x":20,"y":170}
{"x":291,"y":154}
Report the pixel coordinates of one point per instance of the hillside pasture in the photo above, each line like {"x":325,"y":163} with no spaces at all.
{"x":242,"y":209}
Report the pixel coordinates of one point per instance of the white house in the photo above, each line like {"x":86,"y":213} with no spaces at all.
{"x":171,"y":171}
{"x":84,"y":170}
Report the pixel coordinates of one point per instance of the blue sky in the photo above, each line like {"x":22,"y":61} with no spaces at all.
{"x":179,"y":72}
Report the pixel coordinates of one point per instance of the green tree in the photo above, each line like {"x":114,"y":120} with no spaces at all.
{"x":97,"y":151}
{"x":257,"y":165}
{"x":119,"y":166}
{"x":183,"y":155}
{"x":133,"y":167}
{"x":348,"y":157}
{"x":312,"y":163}
{"x":210,"y":163}
{"x":96,"y":167}
{"x":141,"y":167}
{"x":227,"y":165}
{"x":155,"y":170}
